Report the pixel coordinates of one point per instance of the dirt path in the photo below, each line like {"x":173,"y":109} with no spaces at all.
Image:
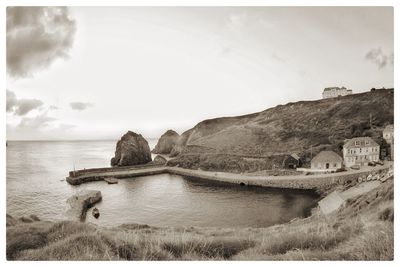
{"x":334,"y":200}
{"x":359,"y":189}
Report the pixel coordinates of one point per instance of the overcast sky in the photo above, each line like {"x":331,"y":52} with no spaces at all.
{"x":94,"y":73}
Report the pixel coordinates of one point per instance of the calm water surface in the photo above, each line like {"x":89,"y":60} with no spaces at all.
{"x":36,"y":185}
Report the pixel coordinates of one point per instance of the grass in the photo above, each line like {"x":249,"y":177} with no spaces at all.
{"x":361,"y":230}
{"x":223,"y":143}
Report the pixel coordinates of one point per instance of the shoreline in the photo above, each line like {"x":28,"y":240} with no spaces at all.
{"x":308,"y":182}
{"x":361,"y":230}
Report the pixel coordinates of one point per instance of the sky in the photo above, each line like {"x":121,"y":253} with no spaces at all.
{"x":82,"y":73}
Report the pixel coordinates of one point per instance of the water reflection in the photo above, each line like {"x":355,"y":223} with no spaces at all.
{"x":36,"y":185}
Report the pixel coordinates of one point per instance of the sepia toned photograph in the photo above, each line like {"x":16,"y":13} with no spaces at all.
{"x":199,"y":133}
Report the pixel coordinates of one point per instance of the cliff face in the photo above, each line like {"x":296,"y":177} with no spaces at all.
{"x":132,"y":149}
{"x":166,"y":142}
{"x":283,"y":130}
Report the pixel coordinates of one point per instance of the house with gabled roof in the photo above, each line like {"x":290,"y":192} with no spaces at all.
{"x":326,"y":160}
{"x":360,"y":151}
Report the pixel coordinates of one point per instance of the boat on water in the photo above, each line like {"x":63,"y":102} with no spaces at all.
{"x":96,"y":213}
{"x":111,"y":180}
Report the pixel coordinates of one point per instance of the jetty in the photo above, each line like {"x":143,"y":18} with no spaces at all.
{"x":303,"y":181}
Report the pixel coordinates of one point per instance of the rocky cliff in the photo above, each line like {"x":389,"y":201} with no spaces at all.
{"x":265,"y":139}
{"x":166,"y":142}
{"x":132,"y":149}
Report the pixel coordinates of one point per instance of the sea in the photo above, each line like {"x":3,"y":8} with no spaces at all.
{"x":36,"y":184}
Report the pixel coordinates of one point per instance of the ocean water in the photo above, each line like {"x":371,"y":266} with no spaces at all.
{"x":36,"y":172}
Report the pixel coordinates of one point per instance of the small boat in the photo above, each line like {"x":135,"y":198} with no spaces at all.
{"x":111,"y":180}
{"x":96,"y":213}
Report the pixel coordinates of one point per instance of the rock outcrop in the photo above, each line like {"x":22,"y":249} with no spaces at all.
{"x":132,"y":149}
{"x":81,"y":202}
{"x":166,"y":142}
{"x":159,"y":160}
{"x":181,"y":143}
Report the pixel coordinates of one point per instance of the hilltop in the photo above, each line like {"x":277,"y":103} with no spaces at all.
{"x":265,"y":139}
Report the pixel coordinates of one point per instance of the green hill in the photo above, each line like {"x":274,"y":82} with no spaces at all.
{"x":265,"y":140}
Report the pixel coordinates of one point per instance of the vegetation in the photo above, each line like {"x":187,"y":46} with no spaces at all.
{"x":299,"y":127}
{"x":361,"y":230}
{"x":228,"y":163}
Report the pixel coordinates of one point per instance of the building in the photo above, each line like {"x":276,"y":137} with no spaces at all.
{"x":292,"y":161}
{"x":360,"y":151}
{"x":326,"y":160}
{"x":388,"y":133}
{"x":331,"y":92}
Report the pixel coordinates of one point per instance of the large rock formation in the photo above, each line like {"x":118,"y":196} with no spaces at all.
{"x":81,"y":202}
{"x":166,"y":142}
{"x":160,"y":160}
{"x":132,"y":149}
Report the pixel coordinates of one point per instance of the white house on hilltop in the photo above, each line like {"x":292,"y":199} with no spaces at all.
{"x":360,"y":151}
{"x":331,"y":92}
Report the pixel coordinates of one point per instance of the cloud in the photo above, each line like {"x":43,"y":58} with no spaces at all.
{"x":80,"y":105}
{"x":41,"y":120}
{"x":26,"y":105}
{"x":21,"y":106}
{"x":379,"y":58}
{"x":41,"y":127}
{"x":36,"y":36}
{"x":236,"y":21}
{"x":278,"y":58}
{"x":11,"y":101}
{"x":52,"y":107}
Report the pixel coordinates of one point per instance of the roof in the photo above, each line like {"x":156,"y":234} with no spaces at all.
{"x":334,"y":88}
{"x":295,"y":156}
{"x":389,"y":128}
{"x":326,"y":156}
{"x":362,"y":142}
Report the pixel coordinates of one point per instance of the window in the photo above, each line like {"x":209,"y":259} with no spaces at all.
{"x":360,"y":150}
{"x":334,"y":165}
{"x":348,"y":151}
{"x":357,"y":143}
{"x":367,"y":142}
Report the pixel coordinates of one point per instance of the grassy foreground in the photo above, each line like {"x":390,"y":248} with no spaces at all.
{"x":362,"y":230}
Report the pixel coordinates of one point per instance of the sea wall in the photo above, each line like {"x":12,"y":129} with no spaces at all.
{"x":314,"y":182}
{"x":78,"y":173}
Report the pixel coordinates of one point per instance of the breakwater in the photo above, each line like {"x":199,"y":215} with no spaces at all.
{"x":314,"y":182}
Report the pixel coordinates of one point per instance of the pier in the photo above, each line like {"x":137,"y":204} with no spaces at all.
{"x":303,"y":181}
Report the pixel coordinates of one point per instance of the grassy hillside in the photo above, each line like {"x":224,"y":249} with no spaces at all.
{"x":361,"y":230}
{"x":277,"y":132}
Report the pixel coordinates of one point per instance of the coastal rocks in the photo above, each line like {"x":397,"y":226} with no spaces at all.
{"x":166,"y":142}
{"x":81,"y":202}
{"x":159,"y":160}
{"x":111,"y":180}
{"x":181,"y":143}
{"x":132,"y":149}
{"x":96,"y":213}
{"x":11,"y":221}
